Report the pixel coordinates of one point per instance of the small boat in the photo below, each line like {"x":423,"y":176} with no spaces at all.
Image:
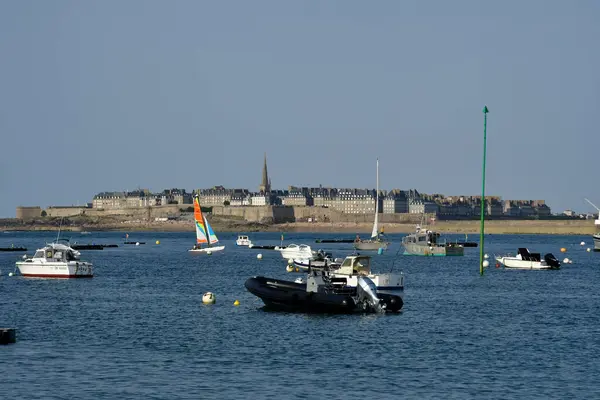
{"x":377,"y":240}
{"x":55,"y":260}
{"x":427,"y":243}
{"x":87,"y":247}
{"x":334,"y":241}
{"x":526,"y":260}
{"x":596,"y":238}
{"x":322,"y":293}
{"x":204,"y":232}
{"x":353,"y":267}
{"x":13,"y":248}
{"x":264,"y":247}
{"x":243,"y":240}
{"x":293,"y":251}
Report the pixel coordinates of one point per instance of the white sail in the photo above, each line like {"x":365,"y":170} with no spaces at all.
{"x":375,"y":232}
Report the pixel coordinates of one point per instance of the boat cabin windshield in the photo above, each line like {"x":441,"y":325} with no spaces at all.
{"x":356,"y":265}
{"x":55,"y":255}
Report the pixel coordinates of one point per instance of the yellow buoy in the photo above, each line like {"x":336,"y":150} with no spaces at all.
{"x":158,"y":242}
{"x":289,"y":268}
{"x":563,"y":250}
{"x":297,"y":269}
{"x":209,"y":298}
{"x":236,"y":303}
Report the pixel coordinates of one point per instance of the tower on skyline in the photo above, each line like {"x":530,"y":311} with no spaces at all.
{"x":265,"y":185}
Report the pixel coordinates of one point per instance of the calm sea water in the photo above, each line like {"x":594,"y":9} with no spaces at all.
{"x":138,"y":329}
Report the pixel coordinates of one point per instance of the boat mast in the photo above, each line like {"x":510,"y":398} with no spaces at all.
{"x":375,"y":233}
{"x":482,"y":223}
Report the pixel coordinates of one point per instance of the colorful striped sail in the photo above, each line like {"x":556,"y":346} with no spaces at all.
{"x":200,"y":221}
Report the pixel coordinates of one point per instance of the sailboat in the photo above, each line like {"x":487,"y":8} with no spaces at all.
{"x":204,"y":232}
{"x":377,"y":241}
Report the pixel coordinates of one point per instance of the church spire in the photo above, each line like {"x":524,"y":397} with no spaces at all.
{"x":265,"y":185}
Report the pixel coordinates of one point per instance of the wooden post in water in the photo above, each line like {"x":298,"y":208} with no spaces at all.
{"x":481,"y":228}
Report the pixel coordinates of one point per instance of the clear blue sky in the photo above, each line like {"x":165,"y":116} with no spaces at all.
{"x":116,"y":95}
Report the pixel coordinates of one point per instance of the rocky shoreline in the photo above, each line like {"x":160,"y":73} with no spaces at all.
{"x":570,"y":227}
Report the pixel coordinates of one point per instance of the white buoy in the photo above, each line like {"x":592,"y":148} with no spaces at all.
{"x":209,"y":252}
{"x":209,"y":298}
{"x":570,"y":261}
{"x":566,"y":261}
{"x":10,"y":274}
{"x":259,"y":256}
{"x":486,"y":256}
{"x":582,"y":243}
{"x":276,"y":247}
{"x":588,"y":249}
{"x":290,"y":261}
{"x":137,"y":243}
{"x":485,"y":263}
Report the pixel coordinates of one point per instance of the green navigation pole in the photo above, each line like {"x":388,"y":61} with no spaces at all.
{"x":485,"y":111}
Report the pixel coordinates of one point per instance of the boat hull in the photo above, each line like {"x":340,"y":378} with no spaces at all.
{"x":596,"y":242}
{"x":62,"y":270}
{"x":370,"y":245}
{"x":207,"y":249}
{"x":420,"y":250}
{"x":515,"y":263}
{"x":291,"y":296}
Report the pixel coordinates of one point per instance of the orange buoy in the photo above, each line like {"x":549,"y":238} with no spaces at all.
{"x":563,"y":250}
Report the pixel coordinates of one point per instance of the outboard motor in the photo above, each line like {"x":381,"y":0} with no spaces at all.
{"x":367,"y":294}
{"x":552,"y":261}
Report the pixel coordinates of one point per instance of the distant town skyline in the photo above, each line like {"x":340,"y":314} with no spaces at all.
{"x":192,"y":94}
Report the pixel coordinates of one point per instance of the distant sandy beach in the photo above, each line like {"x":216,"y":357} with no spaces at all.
{"x":568,"y":227}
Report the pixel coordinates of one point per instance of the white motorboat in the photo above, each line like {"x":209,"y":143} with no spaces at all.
{"x":243,"y":240}
{"x":355,"y":266}
{"x":204,"y":232}
{"x":55,"y":260}
{"x":293,"y":251}
{"x":526,"y":260}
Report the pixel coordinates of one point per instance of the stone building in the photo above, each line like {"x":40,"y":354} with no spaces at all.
{"x":23,"y":212}
{"x":109,"y":200}
{"x":395,"y":201}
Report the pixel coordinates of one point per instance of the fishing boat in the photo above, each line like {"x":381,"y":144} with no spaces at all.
{"x":204,"y":232}
{"x":353,"y":267}
{"x":526,"y":260}
{"x":377,"y":240}
{"x":323,"y":293}
{"x":55,"y":260}
{"x":425,"y":242}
